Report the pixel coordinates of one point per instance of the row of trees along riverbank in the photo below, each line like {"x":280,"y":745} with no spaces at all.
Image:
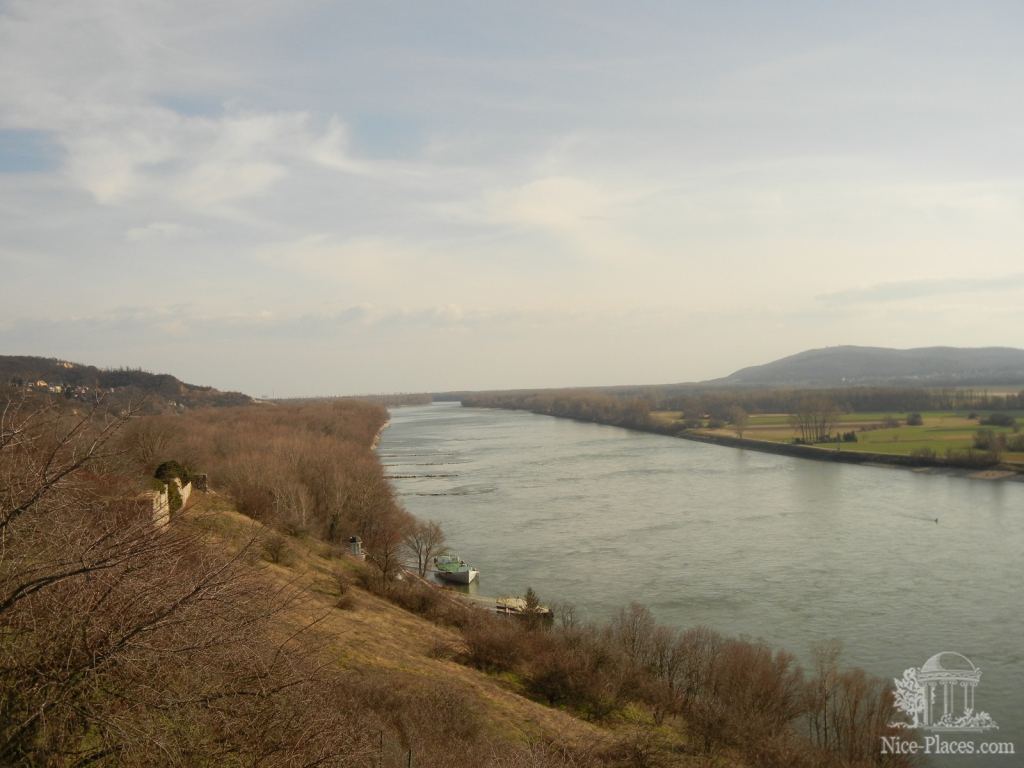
{"x":628,"y":404}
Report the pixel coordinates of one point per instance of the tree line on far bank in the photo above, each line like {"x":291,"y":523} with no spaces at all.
{"x":813,"y":414}
{"x":574,"y":404}
{"x":629,"y":407}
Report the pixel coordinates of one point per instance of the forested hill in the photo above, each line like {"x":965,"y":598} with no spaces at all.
{"x":851,"y":365}
{"x":83,"y":381}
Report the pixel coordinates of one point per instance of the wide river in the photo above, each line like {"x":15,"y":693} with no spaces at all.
{"x":783,"y":549}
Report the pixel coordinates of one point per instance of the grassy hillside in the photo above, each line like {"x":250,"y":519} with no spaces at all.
{"x":371,"y":634}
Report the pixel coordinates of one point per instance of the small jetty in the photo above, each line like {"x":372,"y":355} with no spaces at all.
{"x":517,"y":606}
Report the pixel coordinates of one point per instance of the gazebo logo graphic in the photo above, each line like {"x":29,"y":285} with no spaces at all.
{"x":939,"y":696}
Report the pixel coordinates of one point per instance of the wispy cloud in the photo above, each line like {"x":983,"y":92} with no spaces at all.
{"x":906,"y":290}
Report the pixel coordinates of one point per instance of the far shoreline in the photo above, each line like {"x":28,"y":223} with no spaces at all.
{"x":877,"y":460}
{"x":867,"y":458}
{"x":380,"y":434}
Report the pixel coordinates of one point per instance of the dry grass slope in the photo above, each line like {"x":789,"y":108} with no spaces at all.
{"x":372,"y":634}
{"x":375,"y":634}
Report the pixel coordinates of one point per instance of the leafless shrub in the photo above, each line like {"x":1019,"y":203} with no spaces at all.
{"x":149,"y":441}
{"x":346,"y":599}
{"x":331,"y":551}
{"x":342,"y":581}
{"x":632,"y":630}
{"x":638,"y":748}
{"x":442,"y":648}
{"x":275,"y":548}
{"x":582,"y":668}
{"x":366,"y":579}
{"x":846,"y":711}
{"x":493,"y":644}
{"x":416,"y":597}
{"x":565,"y":615}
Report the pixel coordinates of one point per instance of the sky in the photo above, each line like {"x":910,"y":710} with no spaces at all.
{"x":313,"y":197}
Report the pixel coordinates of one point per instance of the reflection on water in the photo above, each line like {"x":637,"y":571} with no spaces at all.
{"x":788,"y":550}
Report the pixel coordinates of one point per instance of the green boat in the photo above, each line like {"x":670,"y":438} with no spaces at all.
{"x":454,"y":569}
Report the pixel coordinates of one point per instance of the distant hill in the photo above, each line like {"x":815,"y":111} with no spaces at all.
{"x":850,"y":365}
{"x":83,"y":380}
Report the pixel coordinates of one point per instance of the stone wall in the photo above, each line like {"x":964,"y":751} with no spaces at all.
{"x":185,"y":491}
{"x":160,"y":506}
{"x":158,"y":503}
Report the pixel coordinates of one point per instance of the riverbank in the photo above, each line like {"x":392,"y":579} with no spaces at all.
{"x":918,"y":464}
{"x":380,"y":432}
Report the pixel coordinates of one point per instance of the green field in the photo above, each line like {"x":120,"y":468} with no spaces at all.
{"x":941,"y":431}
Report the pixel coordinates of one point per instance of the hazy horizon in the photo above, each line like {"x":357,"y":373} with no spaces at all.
{"x":302,"y":198}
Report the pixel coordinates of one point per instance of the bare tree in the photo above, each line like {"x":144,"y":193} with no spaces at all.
{"x":814,"y":419}
{"x":149,"y":440}
{"x":388,"y":543}
{"x":668,"y":657}
{"x":739,"y":419}
{"x":633,"y":630}
{"x":44,"y":448}
{"x":821,"y":690}
{"x":424,"y":541}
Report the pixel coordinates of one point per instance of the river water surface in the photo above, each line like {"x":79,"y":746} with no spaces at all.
{"x":783,"y":549}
